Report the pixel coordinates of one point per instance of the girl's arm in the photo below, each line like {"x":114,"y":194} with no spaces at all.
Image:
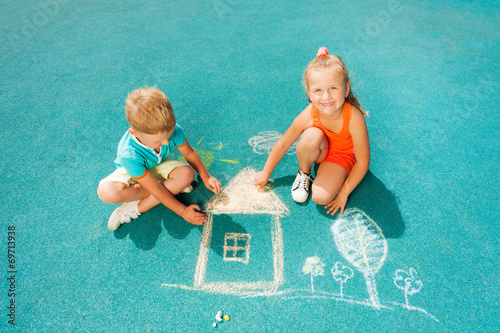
{"x":361,"y":143}
{"x":301,"y":122}
{"x":194,"y":160}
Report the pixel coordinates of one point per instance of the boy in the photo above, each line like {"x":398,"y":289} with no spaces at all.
{"x":146,"y":176}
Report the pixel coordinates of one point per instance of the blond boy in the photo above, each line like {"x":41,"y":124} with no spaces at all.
{"x":146,"y":175}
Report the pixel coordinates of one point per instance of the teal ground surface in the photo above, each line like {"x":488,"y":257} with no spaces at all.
{"x":426,"y":70}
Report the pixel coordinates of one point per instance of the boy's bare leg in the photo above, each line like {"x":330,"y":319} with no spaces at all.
{"x":118,"y":193}
{"x":180,"y":178}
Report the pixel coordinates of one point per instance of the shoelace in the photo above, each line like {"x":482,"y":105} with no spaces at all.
{"x":303,"y":181}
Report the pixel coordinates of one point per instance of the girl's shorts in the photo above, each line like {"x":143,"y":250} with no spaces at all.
{"x":160,"y":172}
{"x":346,"y":161}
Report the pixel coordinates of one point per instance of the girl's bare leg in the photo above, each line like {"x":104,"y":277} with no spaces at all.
{"x":328,"y":182}
{"x":312,"y":147}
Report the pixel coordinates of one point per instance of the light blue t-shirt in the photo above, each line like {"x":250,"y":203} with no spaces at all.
{"x":136,"y":158}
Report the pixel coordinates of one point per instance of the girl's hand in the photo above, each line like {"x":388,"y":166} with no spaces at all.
{"x":213,"y":184}
{"x":261,"y":179}
{"x":338,"y":203}
{"x":193,"y":215}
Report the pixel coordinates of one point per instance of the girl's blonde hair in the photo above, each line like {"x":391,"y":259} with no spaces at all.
{"x":149,"y":111}
{"x":324,"y":63}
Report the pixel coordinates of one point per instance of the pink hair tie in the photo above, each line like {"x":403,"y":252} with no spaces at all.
{"x":322,"y":52}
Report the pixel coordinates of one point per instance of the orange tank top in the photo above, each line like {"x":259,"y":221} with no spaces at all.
{"x":337,"y":142}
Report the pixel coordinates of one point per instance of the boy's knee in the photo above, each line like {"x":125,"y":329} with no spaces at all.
{"x":188,"y":173}
{"x":107,"y":193}
{"x":184,"y":174}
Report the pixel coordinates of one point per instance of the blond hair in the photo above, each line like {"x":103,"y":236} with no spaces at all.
{"x":149,"y":111}
{"x":326,"y":63}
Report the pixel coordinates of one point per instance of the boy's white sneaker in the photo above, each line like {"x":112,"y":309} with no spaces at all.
{"x":123,"y":214}
{"x":188,"y":189}
{"x":300,"y":187}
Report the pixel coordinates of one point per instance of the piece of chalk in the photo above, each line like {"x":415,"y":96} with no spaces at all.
{"x":218,"y":317}
{"x":214,"y":324}
{"x":226,"y":318}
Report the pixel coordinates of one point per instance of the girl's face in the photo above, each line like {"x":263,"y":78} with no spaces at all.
{"x":327,"y":91}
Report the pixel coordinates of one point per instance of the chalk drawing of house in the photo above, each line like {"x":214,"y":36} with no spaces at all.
{"x":241,"y":197}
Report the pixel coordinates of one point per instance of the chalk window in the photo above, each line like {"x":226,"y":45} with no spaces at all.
{"x":237,"y":247}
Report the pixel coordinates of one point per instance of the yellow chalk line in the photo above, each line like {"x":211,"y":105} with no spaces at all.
{"x":219,"y":147}
{"x":230,"y":161}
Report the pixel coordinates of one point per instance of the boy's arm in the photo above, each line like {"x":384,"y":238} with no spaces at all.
{"x":301,"y":122}
{"x":361,"y":143}
{"x":194,"y":160}
{"x":189,"y":213}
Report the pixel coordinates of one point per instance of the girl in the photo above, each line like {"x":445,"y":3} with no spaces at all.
{"x":334,"y":134}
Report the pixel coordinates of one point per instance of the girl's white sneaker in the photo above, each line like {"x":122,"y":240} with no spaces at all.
{"x":301,"y":186}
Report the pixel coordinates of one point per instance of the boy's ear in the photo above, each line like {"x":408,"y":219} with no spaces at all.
{"x":132,"y":131}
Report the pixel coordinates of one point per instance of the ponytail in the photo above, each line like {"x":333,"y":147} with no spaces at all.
{"x":354,"y":102}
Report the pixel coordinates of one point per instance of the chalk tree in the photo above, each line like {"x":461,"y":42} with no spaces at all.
{"x":314,"y":267}
{"x":361,"y":242}
{"x":341,"y":274}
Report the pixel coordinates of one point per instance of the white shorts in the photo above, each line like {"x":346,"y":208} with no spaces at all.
{"x":160,"y":172}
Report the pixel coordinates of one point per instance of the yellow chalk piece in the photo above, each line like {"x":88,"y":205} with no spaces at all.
{"x":201,"y":139}
{"x":230,"y":161}
{"x":226,"y":318}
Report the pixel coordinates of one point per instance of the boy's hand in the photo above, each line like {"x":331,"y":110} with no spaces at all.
{"x":193,"y":215}
{"x":213,"y":185}
{"x":338,"y":203}
{"x":261,"y":179}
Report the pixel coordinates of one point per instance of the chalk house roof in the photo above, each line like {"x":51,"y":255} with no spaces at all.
{"x":240,"y":196}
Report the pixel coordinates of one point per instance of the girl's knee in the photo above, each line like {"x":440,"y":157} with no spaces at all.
{"x":320,"y":199}
{"x":320,"y":196}
{"x":311,"y":137}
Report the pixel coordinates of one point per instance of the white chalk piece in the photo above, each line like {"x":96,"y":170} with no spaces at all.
{"x":214,"y":324}
{"x":218,"y":317}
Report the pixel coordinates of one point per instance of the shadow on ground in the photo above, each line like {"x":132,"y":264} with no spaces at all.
{"x":222,"y":225}
{"x":382,"y":205}
{"x":145,"y":230}
{"x":372,"y":197}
